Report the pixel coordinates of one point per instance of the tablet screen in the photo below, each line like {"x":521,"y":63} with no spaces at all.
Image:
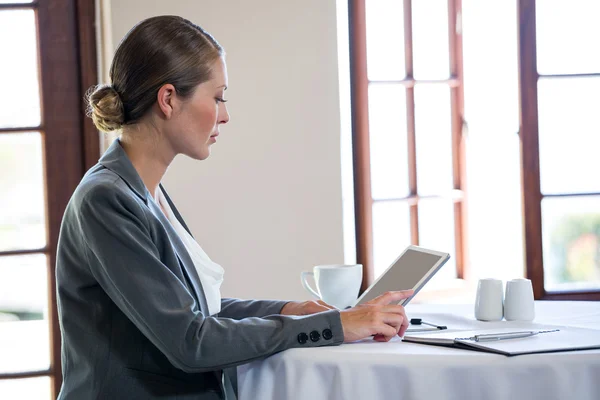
{"x":408,"y":271}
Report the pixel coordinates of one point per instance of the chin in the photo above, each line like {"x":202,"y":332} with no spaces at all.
{"x":197,"y":152}
{"x":201,"y":154}
{"x":198,"y":156}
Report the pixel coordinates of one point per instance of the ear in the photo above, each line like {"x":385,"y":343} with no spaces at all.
{"x":165,"y":98}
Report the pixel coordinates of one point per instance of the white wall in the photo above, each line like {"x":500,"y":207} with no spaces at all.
{"x":267,"y":204}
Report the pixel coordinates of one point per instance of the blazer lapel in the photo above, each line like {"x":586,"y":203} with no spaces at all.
{"x":183,"y":255}
{"x":174,"y":209}
{"x":116,"y":159}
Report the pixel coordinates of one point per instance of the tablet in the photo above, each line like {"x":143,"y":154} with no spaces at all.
{"x":412,"y":269}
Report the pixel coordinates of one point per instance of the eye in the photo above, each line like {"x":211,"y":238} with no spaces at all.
{"x":220,"y":100}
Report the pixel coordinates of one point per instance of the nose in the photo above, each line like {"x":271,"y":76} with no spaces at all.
{"x":223,"y":114}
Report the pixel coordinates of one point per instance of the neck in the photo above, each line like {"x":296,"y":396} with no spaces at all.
{"x":150,"y":157}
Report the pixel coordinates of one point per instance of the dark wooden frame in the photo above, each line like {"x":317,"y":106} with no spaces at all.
{"x":360,"y":126}
{"x":359,"y":92}
{"x":68,"y":66}
{"x":530,"y":157}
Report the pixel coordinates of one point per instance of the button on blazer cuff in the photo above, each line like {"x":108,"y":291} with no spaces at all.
{"x":323,"y":321}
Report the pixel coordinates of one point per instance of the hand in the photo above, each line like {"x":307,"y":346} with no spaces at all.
{"x":376,"y":318}
{"x":305,"y":307}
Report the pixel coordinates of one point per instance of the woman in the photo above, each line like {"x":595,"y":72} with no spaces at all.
{"x":139,"y":302}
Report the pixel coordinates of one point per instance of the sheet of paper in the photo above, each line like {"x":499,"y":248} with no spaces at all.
{"x":565,"y":339}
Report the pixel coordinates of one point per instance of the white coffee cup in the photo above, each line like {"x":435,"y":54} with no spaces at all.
{"x":337,"y":284}
{"x":489,"y":302}
{"x":518,"y":302}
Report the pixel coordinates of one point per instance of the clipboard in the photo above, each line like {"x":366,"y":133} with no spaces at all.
{"x":563,"y":339}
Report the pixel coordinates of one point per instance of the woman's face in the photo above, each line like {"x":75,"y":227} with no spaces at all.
{"x":194,"y":126}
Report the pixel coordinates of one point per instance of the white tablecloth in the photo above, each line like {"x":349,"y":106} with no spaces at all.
{"x":408,"y":371}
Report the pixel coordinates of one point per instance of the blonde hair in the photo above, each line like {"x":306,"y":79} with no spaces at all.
{"x":157,"y":51}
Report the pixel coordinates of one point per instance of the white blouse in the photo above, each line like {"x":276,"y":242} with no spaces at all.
{"x":210,"y":273}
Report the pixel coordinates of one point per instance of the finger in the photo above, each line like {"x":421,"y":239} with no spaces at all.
{"x":385,"y":330}
{"x":381,"y":338}
{"x":391,"y":297}
{"x":398,"y":312}
{"x":330,"y":307}
{"x":404,"y":326}
{"x":389,"y":329}
{"x":394,"y":320}
{"x":393,"y":309}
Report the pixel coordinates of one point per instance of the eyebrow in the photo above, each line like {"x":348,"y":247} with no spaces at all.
{"x":222,"y":86}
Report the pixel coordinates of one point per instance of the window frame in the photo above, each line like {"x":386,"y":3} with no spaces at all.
{"x":528,"y":132}
{"x":360,"y":135}
{"x":67,"y":67}
{"x":530,"y":157}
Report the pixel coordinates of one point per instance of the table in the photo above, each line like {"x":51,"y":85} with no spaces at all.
{"x":407,"y":371}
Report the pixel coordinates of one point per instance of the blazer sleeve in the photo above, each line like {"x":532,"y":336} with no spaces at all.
{"x":238,"y":308}
{"x":126,"y":263}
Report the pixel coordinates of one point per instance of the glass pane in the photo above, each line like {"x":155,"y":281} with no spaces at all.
{"x":492,"y":146}
{"x":22,"y":204}
{"x":391,"y":233}
{"x":387,"y":135}
{"x":494,"y":183}
{"x":571,"y":242}
{"x":26,"y":389}
{"x":434,"y":139}
{"x":569,"y":123}
{"x":491,"y":104}
{"x":431,"y":55}
{"x":385,"y":40}
{"x":19,"y":72}
{"x":24,"y":336}
{"x":436,"y":232}
{"x":567,"y":33}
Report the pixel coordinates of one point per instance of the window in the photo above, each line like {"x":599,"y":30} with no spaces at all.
{"x":406,"y":63}
{"x":535,"y":204}
{"x":45,"y":146}
{"x":560,"y":99}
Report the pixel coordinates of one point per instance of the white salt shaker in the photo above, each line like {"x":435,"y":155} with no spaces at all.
{"x":518,"y":302}
{"x":489,"y":300}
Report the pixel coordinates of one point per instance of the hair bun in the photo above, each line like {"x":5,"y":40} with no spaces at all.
{"x":106,"y":108}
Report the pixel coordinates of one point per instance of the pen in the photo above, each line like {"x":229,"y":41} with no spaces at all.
{"x":419,"y":321}
{"x":508,"y":335}
{"x":502,"y":336}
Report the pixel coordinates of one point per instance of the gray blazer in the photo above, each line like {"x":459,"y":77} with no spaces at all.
{"x":132,"y":311}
